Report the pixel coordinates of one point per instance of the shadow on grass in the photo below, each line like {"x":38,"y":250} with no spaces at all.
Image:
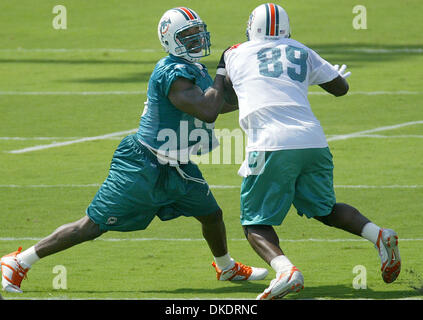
{"x":354,"y":55}
{"x":78,"y":61}
{"x":238,"y":291}
{"x":347,"y":292}
{"x":318,"y":292}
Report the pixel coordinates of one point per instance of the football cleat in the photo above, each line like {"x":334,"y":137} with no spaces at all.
{"x":12,"y":272}
{"x":284,"y":283}
{"x":238,"y":272}
{"x":387,"y":246}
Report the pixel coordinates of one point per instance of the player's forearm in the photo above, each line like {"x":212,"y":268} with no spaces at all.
{"x":191,"y":99}
{"x":213,"y":100}
{"x":337,"y":87}
{"x":227,"y":107}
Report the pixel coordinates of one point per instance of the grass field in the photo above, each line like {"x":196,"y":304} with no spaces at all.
{"x":90,"y":79}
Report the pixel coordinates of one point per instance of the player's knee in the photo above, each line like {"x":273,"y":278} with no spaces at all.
{"x":213,"y":218}
{"x":341,"y":214}
{"x":256,"y":231}
{"x":328,"y":219}
{"x":217,"y":217}
{"x":325,"y":220}
{"x":251,"y":229}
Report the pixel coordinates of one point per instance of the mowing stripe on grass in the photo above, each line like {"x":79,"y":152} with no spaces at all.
{"x":201,"y":239}
{"x":146,"y":50}
{"x":205,"y":298}
{"x":371,"y":93}
{"x":39,"y":138}
{"x":142,"y":92}
{"x":96,"y":185}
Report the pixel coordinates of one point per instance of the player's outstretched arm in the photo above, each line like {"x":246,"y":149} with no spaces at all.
{"x":338,"y":86}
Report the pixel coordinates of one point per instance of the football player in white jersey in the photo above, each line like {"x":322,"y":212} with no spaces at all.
{"x":288,"y":159}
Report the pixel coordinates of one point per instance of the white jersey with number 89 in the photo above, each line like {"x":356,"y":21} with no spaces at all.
{"x":271,"y":80}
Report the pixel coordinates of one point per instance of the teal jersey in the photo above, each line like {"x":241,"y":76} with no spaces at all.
{"x":164,"y":127}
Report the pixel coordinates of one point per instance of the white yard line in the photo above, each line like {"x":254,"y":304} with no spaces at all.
{"x":120,"y":133}
{"x":67,"y":93}
{"x":395,"y":186}
{"x":358,"y":133}
{"x":403,"y":136}
{"x":379,"y":136}
{"x":66,"y":143}
{"x":114,"y":134}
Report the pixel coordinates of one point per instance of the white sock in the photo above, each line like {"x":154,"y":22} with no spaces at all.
{"x":223,"y":262}
{"x":370,"y":232}
{"x":28,"y":257}
{"x":281,"y":263}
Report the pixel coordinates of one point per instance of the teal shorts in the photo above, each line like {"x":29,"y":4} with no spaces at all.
{"x":302,"y":177}
{"x":138,"y":188}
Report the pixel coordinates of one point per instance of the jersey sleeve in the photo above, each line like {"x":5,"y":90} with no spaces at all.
{"x":175,"y":71}
{"x":229,"y":57}
{"x":321,"y":70}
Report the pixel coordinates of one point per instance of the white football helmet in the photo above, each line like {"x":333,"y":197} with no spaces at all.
{"x":268,"y":21}
{"x":190,"y":45}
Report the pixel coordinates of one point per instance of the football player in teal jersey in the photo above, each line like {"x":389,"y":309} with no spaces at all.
{"x":150,"y":173}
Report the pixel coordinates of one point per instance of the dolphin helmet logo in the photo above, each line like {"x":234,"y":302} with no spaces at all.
{"x":164,"y":26}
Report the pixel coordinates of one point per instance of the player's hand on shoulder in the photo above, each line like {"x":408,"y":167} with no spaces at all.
{"x":222,"y":63}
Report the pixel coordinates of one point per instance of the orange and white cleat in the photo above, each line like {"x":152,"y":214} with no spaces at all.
{"x":12,"y":272}
{"x":284,"y":283}
{"x":239,"y":272}
{"x":387,"y":246}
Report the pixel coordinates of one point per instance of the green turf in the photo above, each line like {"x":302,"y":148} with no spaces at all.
{"x":112,"y":46}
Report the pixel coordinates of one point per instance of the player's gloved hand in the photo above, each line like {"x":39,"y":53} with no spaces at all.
{"x":222,"y":59}
{"x":341,"y":71}
{"x":221,"y":66}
